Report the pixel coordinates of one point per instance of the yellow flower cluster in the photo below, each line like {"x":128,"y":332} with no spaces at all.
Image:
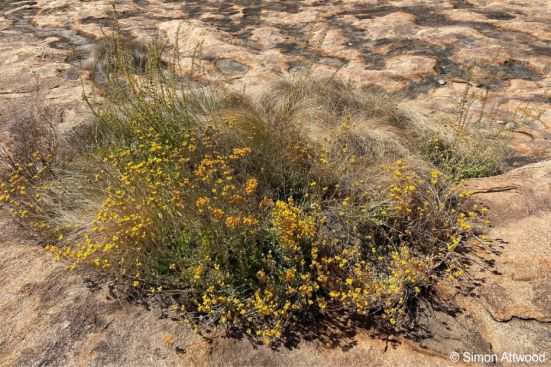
{"x":290,"y":225}
{"x":23,"y":193}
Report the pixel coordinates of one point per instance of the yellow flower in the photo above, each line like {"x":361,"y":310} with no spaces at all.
{"x":250,"y":221}
{"x":250,"y":185}
{"x":197,"y":272}
{"x":434,"y":176}
{"x":169,"y":340}
{"x":202,"y":203}
{"x":232,"y":222}
{"x":218,"y":213}
{"x":240,"y":152}
{"x":135,"y":283}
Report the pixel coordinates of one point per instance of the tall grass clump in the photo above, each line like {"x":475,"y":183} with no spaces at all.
{"x":250,"y":215}
{"x":471,"y":148}
{"x":463,"y":156}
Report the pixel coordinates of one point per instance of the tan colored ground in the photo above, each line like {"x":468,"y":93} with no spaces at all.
{"x":422,"y":50}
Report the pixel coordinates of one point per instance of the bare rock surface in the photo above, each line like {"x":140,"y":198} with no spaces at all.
{"x":519,"y":283}
{"x":428,"y":52}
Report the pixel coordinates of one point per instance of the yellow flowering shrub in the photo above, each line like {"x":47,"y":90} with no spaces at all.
{"x":244,"y":223}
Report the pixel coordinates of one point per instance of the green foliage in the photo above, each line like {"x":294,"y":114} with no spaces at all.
{"x":464,"y":156}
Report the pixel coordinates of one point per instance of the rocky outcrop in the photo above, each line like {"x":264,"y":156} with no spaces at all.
{"x":507,"y":308}
{"x":518,"y":285}
{"x":427,"y":52}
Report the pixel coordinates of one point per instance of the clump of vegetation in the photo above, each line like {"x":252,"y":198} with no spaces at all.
{"x":463,"y":156}
{"x":249,"y":215}
{"x":471,"y":148}
{"x":113,"y":53}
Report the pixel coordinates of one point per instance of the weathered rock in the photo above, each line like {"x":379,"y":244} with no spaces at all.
{"x":412,"y":67}
{"x":51,"y":317}
{"x":230,"y":67}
